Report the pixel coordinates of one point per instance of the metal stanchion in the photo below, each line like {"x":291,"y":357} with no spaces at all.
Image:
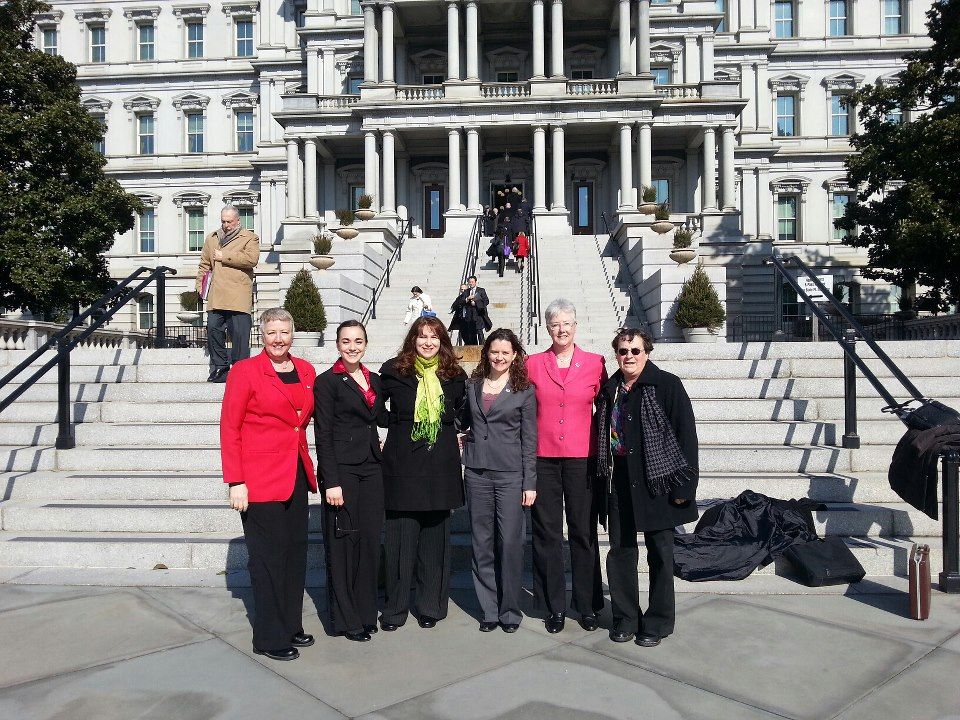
{"x":65,"y":436}
{"x":950,"y":577}
{"x":851,"y":439}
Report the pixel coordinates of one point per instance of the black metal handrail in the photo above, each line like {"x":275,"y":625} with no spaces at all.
{"x":65,"y":340}
{"x":533,"y":283}
{"x":396,"y":256}
{"x":473,"y":251}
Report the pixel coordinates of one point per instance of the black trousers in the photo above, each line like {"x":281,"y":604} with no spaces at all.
{"x":470,"y":332}
{"x":276,"y":535}
{"x":351,"y":535}
{"x":622,"y":561}
{"x":565,"y":482}
{"x":417,"y":548}
{"x":221,"y":322}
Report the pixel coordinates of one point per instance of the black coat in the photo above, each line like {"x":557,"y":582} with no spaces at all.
{"x":345,"y":427}
{"x":475,"y":313}
{"x":418,"y":476}
{"x":657,"y":512}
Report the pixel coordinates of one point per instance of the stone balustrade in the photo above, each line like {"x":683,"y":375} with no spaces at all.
{"x":678,"y":92}
{"x":31,"y":334}
{"x":420,"y":92}
{"x":505,"y":90}
{"x":943,"y":327}
{"x":591,"y":87}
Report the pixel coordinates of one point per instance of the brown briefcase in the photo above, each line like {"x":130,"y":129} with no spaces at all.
{"x":920,"y":582}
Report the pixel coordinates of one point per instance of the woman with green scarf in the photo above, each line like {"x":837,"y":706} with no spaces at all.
{"x":424,"y":389}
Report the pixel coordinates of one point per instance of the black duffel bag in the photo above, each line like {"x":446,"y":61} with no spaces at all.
{"x":825,"y":562}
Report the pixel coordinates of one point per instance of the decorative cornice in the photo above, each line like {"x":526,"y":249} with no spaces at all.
{"x":239,"y":100}
{"x":241,"y":198}
{"x":90,"y":15}
{"x":96,"y":104}
{"x":191,"y":11}
{"x":503,"y":58}
{"x":140,"y":103}
{"x":791,"y":82}
{"x":665,"y":52}
{"x":845,"y":81}
{"x":839,"y":184}
{"x":148,"y":199}
{"x":726,"y":73}
{"x":790,"y":186}
{"x":141,"y":13}
{"x":191,"y":101}
{"x":235,"y":8}
{"x":48,"y":18}
{"x":191,"y":198}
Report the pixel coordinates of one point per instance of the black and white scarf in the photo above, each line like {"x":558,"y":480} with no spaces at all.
{"x":666,"y":467}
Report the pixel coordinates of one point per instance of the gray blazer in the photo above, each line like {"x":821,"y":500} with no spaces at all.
{"x":506,"y":438}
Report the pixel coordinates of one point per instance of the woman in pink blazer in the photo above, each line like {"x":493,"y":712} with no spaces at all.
{"x":263,"y":447}
{"x":568,"y":380}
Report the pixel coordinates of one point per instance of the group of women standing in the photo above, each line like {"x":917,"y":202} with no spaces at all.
{"x":528,"y":435}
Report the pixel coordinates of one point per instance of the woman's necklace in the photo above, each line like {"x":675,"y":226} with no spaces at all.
{"x":285,"y":366}
{"x":496,"y":386}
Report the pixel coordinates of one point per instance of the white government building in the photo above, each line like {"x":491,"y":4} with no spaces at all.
{"x":732,"y":109}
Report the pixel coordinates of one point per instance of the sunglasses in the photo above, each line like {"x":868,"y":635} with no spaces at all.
{"x":622,"y":352}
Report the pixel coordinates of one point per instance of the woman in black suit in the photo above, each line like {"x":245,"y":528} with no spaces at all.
{"x":348,"y":400}
{"x":422,"y":478}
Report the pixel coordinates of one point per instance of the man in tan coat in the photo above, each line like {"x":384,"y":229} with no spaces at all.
{"x":232,"y":252}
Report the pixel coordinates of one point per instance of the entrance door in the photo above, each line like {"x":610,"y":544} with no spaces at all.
{"x":433,"y":205}
{"x":583,"y":208}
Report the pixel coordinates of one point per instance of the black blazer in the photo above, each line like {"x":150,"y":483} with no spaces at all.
{"x":345,"y":427}
{"x":417,"y":476}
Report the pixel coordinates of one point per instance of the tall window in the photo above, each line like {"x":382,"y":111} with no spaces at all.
{"x":581,"y":74}
{"x":786,"y":115}
{"x":783,"y":19}
{"x":430,"y":79}
{"x":662,"y":187}
{"x":355,"y":192}
{"x":508,"y":76}
{"x":721,"y":7}
{"x":145,"y":312}
{"x":98,"y":44}
{"x":838,"y":18}
{"x":195,"y":40}
{"x":195,"y":132}
{"x":146,"y":128}
{"x":101,"y":145}
{"x":355,"y":8}
{"x":788,"y":220}
{"x":244,"y":119}
{"x":49,"y":40}
{"x":841,"y":114}
{"x":244,"y":30}
{"x":147,"y":231}
{"x":353,"y":84}
{"x":246,"y":217}
{"x":892,"y":17}
{"x":895,"y":116}
{"x":661,"y":75}
{"x":195,"y":232}
{"x":838,"y":206}
{"x":145,"y":41}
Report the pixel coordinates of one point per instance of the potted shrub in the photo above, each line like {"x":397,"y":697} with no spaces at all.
{"x":648,"y":200}
{"x":682,"y":252}
{"x":364,"y":202}
{"x":699,"y":311}
{"x":662,"y":224}
{"x":322,"y":259}
{"x":190,"y":304}
{"x":304,"y":303}
{"x":346,"y":218}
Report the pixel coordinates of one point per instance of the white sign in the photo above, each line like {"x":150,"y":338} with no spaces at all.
{"x":810,"y":288}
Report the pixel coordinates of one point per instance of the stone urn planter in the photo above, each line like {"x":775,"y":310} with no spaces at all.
{"x":364,"y":214}
{"x":307,"y":339}
{"x":648,"y":208}
{"x":322,"y":262}
{"x":347,"y":233}
{"x":662,"y":226}
{"x":189,"y":318}
{"x":682,"y":255}
{"x":698,"y":335}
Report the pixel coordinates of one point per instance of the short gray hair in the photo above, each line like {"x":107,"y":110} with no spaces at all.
{"x":560,"y":305}
{"x":276,"y":314}
{"x":230,"y":208}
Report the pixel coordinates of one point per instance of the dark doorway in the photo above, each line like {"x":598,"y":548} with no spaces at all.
{"x":433,"y":207}
{"x":513,"y":210}
{"x":583,"y":208}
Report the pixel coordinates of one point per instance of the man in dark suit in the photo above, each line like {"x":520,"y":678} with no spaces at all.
{"x":474,"y":320}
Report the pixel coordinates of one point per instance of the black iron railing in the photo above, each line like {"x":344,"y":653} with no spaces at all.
{"x":75,"y":333}
{"x":770,"y":327}
{"x":397,"y":256}
{"x":533,"y":286}
{"x":473,"y":251}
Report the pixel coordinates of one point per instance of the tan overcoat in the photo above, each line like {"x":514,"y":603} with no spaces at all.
{"x":232,"y":287}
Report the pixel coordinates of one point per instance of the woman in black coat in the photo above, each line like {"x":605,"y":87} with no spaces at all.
{"x":422,"y":475}
{"x":648,"y":457}
{"x":347,"y":404}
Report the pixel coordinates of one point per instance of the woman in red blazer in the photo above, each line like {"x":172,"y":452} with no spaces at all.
{"x":263,"y":449}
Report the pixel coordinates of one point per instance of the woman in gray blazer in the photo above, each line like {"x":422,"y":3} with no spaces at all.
{"x":500,"y":459}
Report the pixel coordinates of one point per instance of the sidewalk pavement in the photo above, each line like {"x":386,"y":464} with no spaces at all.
{"x":155,"y":651}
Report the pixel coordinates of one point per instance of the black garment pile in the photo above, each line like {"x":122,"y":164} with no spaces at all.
{"x":913,"y":471}
{"x":738,"y":536}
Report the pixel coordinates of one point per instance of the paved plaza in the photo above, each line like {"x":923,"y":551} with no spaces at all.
{"x":154,"y":650}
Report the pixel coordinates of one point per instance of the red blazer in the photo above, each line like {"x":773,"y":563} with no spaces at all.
{"x":565,"y":407}
{"x":260,"y":433}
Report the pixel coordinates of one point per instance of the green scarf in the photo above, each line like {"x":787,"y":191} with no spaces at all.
{"x":428,"y":410}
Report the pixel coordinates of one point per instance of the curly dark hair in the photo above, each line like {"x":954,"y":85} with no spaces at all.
{"x":449,"y":365}
{"x":518,"y":368}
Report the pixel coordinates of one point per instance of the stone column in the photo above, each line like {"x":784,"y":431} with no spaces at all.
{"x":643,"y":37}
{"x":556,"y":39}
{"x":538,"y":32}
{"x":329,"y":188}
{"x":709,"y":169}
{"x":314,"y":71}
{"x":310,"y":177}
{"x":266,"y":109}
{"x":370,"y":42}
{"x":386,"y":34}
{"x":765,"y":224}
{"x":764,"y":98}
{"x":645,"y":153}
{"x":453,"y":179}
{"x":706,"y":58}
{"x":625,"y":64}
{"x":389,"y":204}
{"x":691,"y":60}
{"x":329,"y":69}
{"x":728,"y":186}
{"x":559,"y":179}
{"x":403,"y":186}
{"x":539,"y":167}
{"x":453,"y":40}
{"x":370,"y":167}
{"x":626,"y":166}
{"x":293,"y":154}
{"x":473,"y":41}
{"x":473,"y":169}
{"x":693,"y":180}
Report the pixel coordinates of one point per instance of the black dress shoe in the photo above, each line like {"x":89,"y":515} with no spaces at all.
{"x":362,"y":636}
{"x":554,"y":623}
{"x":621,"y":636}
{"x":427,"y":622}
{"x":301,"y":639}
{"x":388,"y":627}
{"x":510,"y":627}
{"x":219,"y":375}
{"x":372,"y":629}
{"x":487,"y":626}
{"x":648,"y":640}
{"x":589,"y":622}
{"x":290,"y":653}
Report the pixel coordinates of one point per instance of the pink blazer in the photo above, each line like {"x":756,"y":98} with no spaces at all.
{"x":565,"y":407}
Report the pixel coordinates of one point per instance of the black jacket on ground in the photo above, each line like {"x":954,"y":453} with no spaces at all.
{"x":656,"y":512}
{"x":418,"y":476}
{"x":345,"y":427}
{"x":914,"y":469}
